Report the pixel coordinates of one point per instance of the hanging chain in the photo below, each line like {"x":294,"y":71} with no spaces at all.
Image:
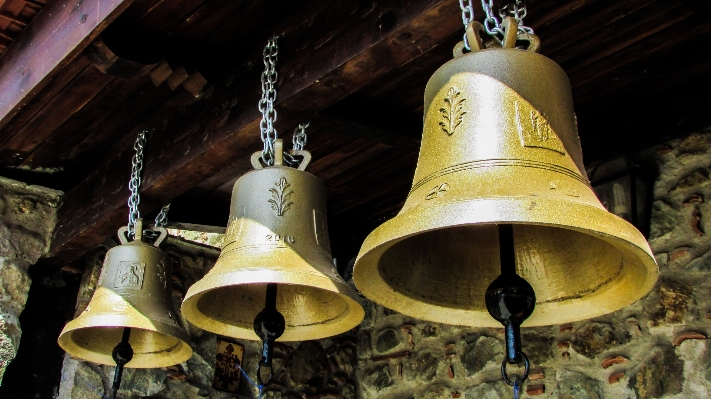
{"x":467,"y":17}
{"x":162,"y":218}
{"x":266,"y":103}
{"x":298,"y":144}
{"x":515,"y":8}
{"x":299,"y":139}
{"x":135,"y":182}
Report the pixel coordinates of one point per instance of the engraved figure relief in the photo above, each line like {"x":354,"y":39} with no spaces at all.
{"x":162,"y":273}
{"x":453,"y":111}
{"x":281,"y":195}
{"x":130,"y":275}
{"x":535,"y":131}
{"x":437,"y":191}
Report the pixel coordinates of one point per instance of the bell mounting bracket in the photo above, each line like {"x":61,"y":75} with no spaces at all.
{"x":123,"y":233}
{"x":512,"y":38}
{"x":256,"y":158}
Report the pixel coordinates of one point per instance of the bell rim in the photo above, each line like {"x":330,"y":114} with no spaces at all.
{"x":398,"y":229}
{"x":101,"y":321}
{"x":254,"y":274}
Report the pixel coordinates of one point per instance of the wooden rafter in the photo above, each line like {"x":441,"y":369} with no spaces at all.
{"x":57,"y":35}
{"x":196,"y":145}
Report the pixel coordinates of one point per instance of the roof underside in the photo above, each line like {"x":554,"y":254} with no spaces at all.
{"x":189,"y":69}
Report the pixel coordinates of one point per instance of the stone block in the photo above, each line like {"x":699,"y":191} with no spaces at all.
{"x":574,"y":385}
{"x":9,"y":339}
{"x":669,"y":303}
{"x":661,"y":373}
{"x":592,"y":339}
{"x":422,"y":368}
{"x":481,"y":353}
{"x":387,"y":339}
{"x":14,"y":285}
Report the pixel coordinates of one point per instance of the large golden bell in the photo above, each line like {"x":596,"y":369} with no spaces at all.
{"x":134,"y":292}
{"x":277,"y":233}
{"x":500,"y":145}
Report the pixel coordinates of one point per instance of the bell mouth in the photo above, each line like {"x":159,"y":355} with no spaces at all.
{"x":315,"y":305}
{"x":436,"y":263}
{"x":151,"y":348}
{"x":310,"y":313}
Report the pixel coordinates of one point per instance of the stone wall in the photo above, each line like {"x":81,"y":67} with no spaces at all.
{"x":655,"y":348}
{"x":27,"y":217}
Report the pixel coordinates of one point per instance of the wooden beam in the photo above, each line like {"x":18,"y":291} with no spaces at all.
{"x":370,"y":133}
{"x":217,"y":129}
{"x":55,"y":36}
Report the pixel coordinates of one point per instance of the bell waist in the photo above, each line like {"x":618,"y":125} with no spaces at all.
{"x":492,"y":163}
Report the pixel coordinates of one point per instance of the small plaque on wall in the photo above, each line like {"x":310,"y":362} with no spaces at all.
{"x":227,"y":374}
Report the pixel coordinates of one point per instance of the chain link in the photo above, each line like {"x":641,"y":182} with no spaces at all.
{"x":266,"y":103}
{"x":162,"y":217}
{"x":514,"y":8}
{"x":135,"y":182}
{"x":299,"y":139}
{"x":467,"y":17}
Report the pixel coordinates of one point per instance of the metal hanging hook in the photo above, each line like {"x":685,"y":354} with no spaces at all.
{"x":510,"y":300}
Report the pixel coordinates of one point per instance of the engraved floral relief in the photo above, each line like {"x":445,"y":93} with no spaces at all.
{"x":437,"y":191}
{"x":281,"y":195}
{"x":453,"y":111}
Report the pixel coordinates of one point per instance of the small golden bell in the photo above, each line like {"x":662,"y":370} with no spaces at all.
{"x":277,"y":234}
{"x":134,"y":292}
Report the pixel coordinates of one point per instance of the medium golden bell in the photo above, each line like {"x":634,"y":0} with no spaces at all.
{"x":277,"y":233}
{"x":134,"y":292}
{"x":500,"y":145}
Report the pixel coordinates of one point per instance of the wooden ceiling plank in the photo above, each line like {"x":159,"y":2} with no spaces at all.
{"x":604,"y":52}
{"x":585,"y":20}
{"x":13,"y":18}
{"x":360,"y":154}
{"x":55,"y":36}
{"x":99,"y":143}
{"x":197,"y":147}
{"x":682,"y":64}
{"x":366,"y":132}
{"x":632,"y":25}
{"x":36,"y":103}
{"x":88,"y":119}
{"x":73,"y":98}
{"x":658,"y":43}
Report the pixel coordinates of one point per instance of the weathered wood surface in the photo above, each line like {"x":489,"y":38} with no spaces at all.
{"x":356,"y":69}
{"x":197,"y":145}
{"x":57,"y":35}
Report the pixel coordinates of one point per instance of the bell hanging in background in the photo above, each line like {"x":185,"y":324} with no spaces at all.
{"x":500,"y":148}
{"x":277,"y":252}
{"x":133,"y":298}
